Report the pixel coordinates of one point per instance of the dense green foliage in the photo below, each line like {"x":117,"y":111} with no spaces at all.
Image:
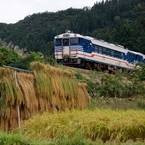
{"x":115,"y":21}
{"x":121,"y":85}
{"x":8,"y":56}
{"x":24,"y":63}
{"x":18,"y":139}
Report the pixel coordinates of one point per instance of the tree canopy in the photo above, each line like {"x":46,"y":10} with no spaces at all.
{"x":116,"y":21}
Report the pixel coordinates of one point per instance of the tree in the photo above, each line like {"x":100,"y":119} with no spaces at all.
{"x":125,"y":34}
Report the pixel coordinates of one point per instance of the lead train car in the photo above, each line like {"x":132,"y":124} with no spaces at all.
{"x":75,"y":49}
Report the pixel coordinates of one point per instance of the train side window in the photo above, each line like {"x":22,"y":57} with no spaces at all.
{"x":96,"y":48}
{"x":116,"y":54}
{"x":93,"y":46}
{"x":104,"y":50}
{"x":108,"y":52}
{"x":122,"y":55}
{"x":112,"y":53}
{"x":100,"y":49}
{"x":119,"y":55}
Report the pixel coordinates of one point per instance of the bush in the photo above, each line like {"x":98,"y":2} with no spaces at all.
{"x":8,"y":56}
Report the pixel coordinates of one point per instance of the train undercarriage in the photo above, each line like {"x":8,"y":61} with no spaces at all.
{"x":90,"y":65}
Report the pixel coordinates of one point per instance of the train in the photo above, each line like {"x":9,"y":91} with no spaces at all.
{"x":84,"y":51}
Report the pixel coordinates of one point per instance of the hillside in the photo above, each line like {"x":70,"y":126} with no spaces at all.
{"x":115,"y":21}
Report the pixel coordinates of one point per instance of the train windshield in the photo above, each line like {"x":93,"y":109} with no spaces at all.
{"x":65,"y":42}
{"x":58,"y":42}
{"x":75,"y":40}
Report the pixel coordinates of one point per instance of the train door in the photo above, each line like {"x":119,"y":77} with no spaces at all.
{"x":87,"y":47}
{"x":130,"y":57}
{"x":65,"y":48}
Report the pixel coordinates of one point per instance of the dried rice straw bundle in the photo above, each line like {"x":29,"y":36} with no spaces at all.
{"x":26,"y":82}
{"x":6,"y":72}
{"x":10,"y":93}
{"x":83,"y":96}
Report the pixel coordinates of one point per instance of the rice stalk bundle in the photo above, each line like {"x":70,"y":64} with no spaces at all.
{"x":37,"y":66}
{"x":83,"y":96}
{"x":59,"y":91}
{"x":68,"y":90}
{"x":5,"y":72}
{"x":55,"y":82}
{"x":56,"y":88}
{"x":43,"y":85}
{"x":30,"y":101}
{"x":45,"y":105}
{"x":10,"y":93}
{"x":13,"y":121}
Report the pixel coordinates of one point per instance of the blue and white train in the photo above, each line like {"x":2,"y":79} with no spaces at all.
{"x":71,"y":48}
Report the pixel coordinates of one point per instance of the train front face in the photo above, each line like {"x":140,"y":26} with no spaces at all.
{"x":66,"y":48}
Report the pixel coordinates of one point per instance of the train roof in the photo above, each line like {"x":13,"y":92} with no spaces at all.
{"x":67,"y":34}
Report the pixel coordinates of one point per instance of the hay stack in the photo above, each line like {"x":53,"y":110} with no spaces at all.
{"x":47,"y":89}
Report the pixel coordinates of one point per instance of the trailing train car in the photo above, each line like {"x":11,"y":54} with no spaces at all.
{"x":75,"y":49}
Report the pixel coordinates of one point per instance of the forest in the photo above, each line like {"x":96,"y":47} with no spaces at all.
{"x":115,"y":21}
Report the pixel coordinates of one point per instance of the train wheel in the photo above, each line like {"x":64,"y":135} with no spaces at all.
{"x":88,"y":65}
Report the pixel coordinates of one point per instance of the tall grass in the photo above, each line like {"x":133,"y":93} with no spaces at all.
{"x":105,"y":125}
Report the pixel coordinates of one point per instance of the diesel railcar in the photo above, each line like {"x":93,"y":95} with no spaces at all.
{"x":75,"y":49}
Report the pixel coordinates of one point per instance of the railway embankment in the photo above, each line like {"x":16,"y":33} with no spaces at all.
{"x":122,"y":90}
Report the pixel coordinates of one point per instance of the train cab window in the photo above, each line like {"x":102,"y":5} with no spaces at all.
{"x":58,"y":42}
{"x":65,"y":42}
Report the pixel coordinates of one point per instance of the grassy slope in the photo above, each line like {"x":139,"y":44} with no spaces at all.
{"x":133,"y":102}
